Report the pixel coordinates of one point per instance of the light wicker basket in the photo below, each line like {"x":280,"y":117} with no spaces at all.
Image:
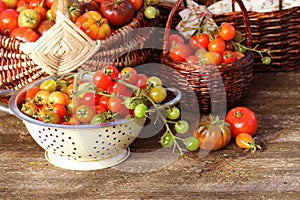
{"x":65,"y":48}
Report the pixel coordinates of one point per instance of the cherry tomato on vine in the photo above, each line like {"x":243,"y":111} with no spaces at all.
{"x":90,"y":98}
{"x":84,"y":114}
{"x":116,"y":105}
{"x":229,"y":56}
{"x":111,"y":71}
{"x":48,"y":85}
{"x":217,"y":45}
{"x":29,"y":108}
{"x":181,"y":126}
{"x":118,"y":89}
{"x":158,"y":94}
{"x":266,"y":60}
{"x":51,"y":117}
{"x":30,"y":93}
{"x":227,"y":31}
{"x":191,"y":144}
{"x":212,"y":58}
{"x":180,"y":52}
{"x":140,"y":110}
{"x":129,"y":75}
{"x":151,"y":12}
{"x":242,"y":120}
{"x":199,"y":41}
{"x":173,"y":113}
{"x":245,"y":141}
{"x":57,"y":97}
{"x":104,"y":82}
{"x":142,"y":81}
{"x":167,"y":140}
{"x":175,"y":40}
{"x":153,"y":81}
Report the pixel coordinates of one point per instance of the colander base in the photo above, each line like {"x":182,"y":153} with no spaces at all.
{"x":66,"y":163}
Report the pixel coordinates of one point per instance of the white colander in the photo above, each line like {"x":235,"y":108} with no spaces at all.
{"x":83,"y":147}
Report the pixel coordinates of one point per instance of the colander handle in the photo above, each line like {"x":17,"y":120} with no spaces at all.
{"x":3,"y":106}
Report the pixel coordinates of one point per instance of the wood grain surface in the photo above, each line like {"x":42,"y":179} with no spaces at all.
{"x":154,"y":173}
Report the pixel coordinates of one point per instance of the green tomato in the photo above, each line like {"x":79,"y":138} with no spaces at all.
{"x":49,"y":15}
{"x":173,"y":113}
{"x":140,"y":110}
{"x":182,"y":126}
{"x":48,"y":85}
{"x":153,"y":81}
{"x":191,"y":143}
{"x":266,"y":60}
{"x":151,"y":12}
{"x":130,"y":103}
{"x":167,"y":140}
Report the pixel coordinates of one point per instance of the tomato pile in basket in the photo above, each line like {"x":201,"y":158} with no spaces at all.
{"x":218,"y":45}
{"x":27,"y":20}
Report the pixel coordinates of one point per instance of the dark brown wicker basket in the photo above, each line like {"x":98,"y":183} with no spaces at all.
{"x":18,"y":67}
{"x":209,"y":88}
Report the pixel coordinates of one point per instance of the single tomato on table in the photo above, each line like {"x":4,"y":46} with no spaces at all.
{"x":242,"y":120}
{"x":94,"y":25}
{"x":117,"y":12}
{"x":246,"y":141}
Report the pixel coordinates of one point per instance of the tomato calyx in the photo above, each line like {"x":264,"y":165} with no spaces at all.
{"x":238,"y":114}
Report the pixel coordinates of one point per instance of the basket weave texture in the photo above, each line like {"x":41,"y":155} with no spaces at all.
{"x":65,"y":48}
{"x":209,"y":88}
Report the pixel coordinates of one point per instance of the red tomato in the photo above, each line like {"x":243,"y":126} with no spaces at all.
{"x":91,"y":5}
{"x":42,"y":12}
{"x":199,"y":41}
{"x":35,"y":3}
{"x":94,"y":25}
{"x":111,"y":71}
{"x":103,"y":82}
{"x":59,"y":109}
{"x":117,"y":12}
{"x":192,"y":59}
{"x":229,"y":56}
{"x":242,"y":120}
{"x":2,"y":6}
{"x":49,"y":3}
{"x":24,"y":34}
{"x":118,"y":89}
{"x":227,"y":31}
{"x":116,"y":105}
{"x":84,"y":114}
{"x":8,"y":21}
{"x":180,"y":52}
{"x":136,"y":4}
{"x":103,"y":101}
{"x":142,"y":81}
{"x":10,"y":3}
{"x":175,"y":40}
{"x":217,"y":45}
{"x":31,"y":93}
{"x":99,"y":109}
{"x":129,"y":75}
{"x":90,"y":99}
{"x":57,"y":97}
{"x":45,"y":26}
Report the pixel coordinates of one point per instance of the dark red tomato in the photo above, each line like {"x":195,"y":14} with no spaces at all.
{"x":180,"y":52}
{"x":227,"y":32}
{"x":217,"y":45}
{"x":91,"y":5}
{"x":111,"y":71}
{"x":41,"y":11}
{"x":103,"y":82}
{"x":116,"y":105}
{"x":229,"y":56}
{"x":49,"y":3}
{"x":199,"y":41}
{"x":31,"y":93}
{"x":99,"y":109}
{"x":45,"y":26}
{"x":24,"y":34}
{"x":175,"y":40}
{"x":142,"y":81}
{"x":8,"y":21}
{"x":117,"y":12}
{"x":2,"y":6}
{"x":242,"y":120}
{"x":59,"y":109}
{"x":90,"y":99}
{"x":84,"y":114}
{"x":129,"y":75}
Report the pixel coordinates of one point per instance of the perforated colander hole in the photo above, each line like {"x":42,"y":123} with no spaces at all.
{"x":46,"y":135}
{"x":62,"y":140}
{"x":96,"y":141}
{"x":107,"y":136}
{"x":43,"y":129}
{"x":49,"y":129}
{"x":62,"y":133}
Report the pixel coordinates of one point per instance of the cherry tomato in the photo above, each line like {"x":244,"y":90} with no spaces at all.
{"x":31,"y":93}
{"x":48,"y":85}
{"x":217,"y":45}
{"x":229,"y":56}
{"x":158,"y":94}
{"x":99,"y":109}
{"x":104,"y":81}
{"x":212,"y":58}
{"x":116,"y":105}
{"x":36,"y":3}
{"x":151,"y":12}
{"x":199,"y":41}
{"x":119,"y":89}
{"x":57,"y":97}
{"x":266,"y":60}
{"x":153,"y":81}
{"x":103,"y":101}
{"x":59,"y":109}
{"x":90,"y":99}
{"x":140,"y":110}
{"x":69,"y":90}
{"x":8,"y":21}
{"x":42,"y":12}
{"x":182,"y":126}
{"x":167,"y":140}
{"x":227,"y":31}
{"x":84,"y":114}
{"x":142,"y":81}
{"x":192,"y":59}
{"x":173,"y":113}
{"x":29,"y":108}
{"x":180,"y":52}
{"x":191,"y":143}
{"x":51,"y":117}
{"x":10,"y":3}
{"x":136,"y":4}
{"x":129,"y":75}
{"x":175,"y":40}
{"x":41,"y":97}
{"x":111,"y":71}
{"x":242,"y":120}
{"x":72,"y":105}
{"x":245,"y":141}
{"x":49,"y":3}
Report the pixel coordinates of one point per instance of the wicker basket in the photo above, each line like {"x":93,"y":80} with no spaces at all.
{"x":278,"y":31}
{"x":65,"y":48}
{"x":209,"y":88}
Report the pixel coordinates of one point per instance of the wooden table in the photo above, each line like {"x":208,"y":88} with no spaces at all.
{"x":231,"y":173}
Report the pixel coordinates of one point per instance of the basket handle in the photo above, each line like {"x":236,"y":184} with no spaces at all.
{"x":177,"y":5}
{"x":62,"y":6}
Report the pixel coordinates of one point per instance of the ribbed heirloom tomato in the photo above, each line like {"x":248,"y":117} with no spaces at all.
{"x":24,"y":34}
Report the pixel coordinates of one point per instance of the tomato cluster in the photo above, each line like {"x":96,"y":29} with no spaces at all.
{"x":27,"y":20}
{"x":220,"y":46}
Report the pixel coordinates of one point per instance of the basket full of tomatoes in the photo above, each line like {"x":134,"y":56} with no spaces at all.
{"x":87,"y":120}
{"x":214,"y":65}
{"x":46,"y":37}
